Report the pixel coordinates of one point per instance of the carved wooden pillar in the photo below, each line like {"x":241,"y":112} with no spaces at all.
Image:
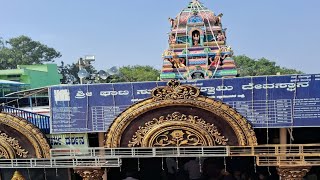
{"x":293,"y":173}
{"x":90,"y":174}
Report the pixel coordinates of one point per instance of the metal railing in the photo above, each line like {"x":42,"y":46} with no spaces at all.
{"x":265,"y":155}
{"x":39,"y":120}
{"x":60,"y":163}
{"x":214,"y":151}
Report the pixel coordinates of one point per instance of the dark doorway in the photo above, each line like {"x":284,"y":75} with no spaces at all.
{"x":180,"y":169}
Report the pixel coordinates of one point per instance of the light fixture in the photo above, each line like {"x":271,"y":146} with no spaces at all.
{"x":83,"y":74}
{"x":113,"y":71}
{"x":103,"y":75}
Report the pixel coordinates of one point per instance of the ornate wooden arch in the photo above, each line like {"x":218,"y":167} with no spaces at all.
{"x":21,"y":139}
{"x":177,"y":115}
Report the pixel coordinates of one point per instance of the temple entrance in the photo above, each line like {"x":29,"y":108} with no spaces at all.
{"x":20,"y":139}
{"x":178,"y":116}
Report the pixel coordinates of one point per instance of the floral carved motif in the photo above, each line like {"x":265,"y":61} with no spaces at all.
{"x":293,"y":173}
{"x":177,"y":129}
{"x":90,"y":174}
{"x":178,"y":138}
{"x":175,"y":91}
{"x":14,"y":144}
{"x":3,"y":153}
{"x":29,"y":132}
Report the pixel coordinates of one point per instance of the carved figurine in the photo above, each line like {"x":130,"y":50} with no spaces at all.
{"x":172,"y":39}
{"x":195,"y":39}
{"x":224,"y":48}
{"x":173,"y":23}
{"x":221,"y":37}
{"x":176,"y":61}
{"x":17,"y":176}
{"x":217,"y":59}
{"x":217,"y":19}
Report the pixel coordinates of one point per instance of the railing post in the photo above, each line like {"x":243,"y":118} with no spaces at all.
{"x":301,"y":149}
{"x":279,"y":159}
{"x":153,"y":152}
{"x":112,"y":152}
{"x":227,"y":151}
{"x":301,"y":153}
{"x":202,"y":151}
{"x":253,"y":151}
{"x":276,"y":151}
{"x":132,"y":152}
{"x":93,"y":152}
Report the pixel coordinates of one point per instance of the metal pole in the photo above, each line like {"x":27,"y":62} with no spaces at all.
{"x":101,"y":144}
{"x":80,"y":68}
{"x":30,"y":103}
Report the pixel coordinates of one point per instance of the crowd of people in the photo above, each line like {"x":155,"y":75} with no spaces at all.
{"x":204,"y":169}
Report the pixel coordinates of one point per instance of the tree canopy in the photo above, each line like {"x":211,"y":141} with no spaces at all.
{"x":135,"y":73}
{"x":139,"y":73}
{"x":252,"y":67}
{"x":23,"y":50}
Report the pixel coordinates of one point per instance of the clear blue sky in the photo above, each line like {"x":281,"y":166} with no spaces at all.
{"x":134,"y":32}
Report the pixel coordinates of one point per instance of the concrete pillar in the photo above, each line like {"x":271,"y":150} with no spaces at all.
{"x":101,"y":136}
{"x":283,"y":138}
{"x":292,"y":173}
{"x":101,"y":139}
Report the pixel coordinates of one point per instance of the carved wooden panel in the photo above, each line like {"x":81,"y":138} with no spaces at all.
{"x":221,"y":126}
{"x":21,"y":139}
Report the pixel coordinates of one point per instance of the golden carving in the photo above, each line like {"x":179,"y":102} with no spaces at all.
{"x":17,"y":176}
{"x":90,"y":174}
{"x":30,"y":132}
{"x":293,"y":173}
{"x":175,"y":91}
{"x":14,"y":144}
{"x":242,"y":129}
{"x":4,"y":154}
{"x":177,"y":129}
{"x":177,"y":138}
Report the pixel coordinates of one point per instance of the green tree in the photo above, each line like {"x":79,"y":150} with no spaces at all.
{"x":139,"y":73}
{"x":23,"y":50}
{"x":252,"y":67}
{"x":135,"y":73}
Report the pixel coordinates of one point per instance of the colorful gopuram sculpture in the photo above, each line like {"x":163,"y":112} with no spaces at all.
{"x":197,"y":46}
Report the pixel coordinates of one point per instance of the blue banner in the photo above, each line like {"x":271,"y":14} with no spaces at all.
{"x":266,"y":101}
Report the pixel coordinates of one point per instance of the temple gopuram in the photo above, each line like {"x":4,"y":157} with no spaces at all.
{"x":201,"y":121}
{"x":197,"y":46}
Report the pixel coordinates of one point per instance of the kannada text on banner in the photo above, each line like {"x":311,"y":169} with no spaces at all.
{"x":265,"y":101}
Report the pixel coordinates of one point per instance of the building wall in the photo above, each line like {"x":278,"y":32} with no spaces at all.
{"x":35,"y":75}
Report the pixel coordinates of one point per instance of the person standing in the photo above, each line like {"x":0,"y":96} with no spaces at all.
{"x":193,"y":169}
